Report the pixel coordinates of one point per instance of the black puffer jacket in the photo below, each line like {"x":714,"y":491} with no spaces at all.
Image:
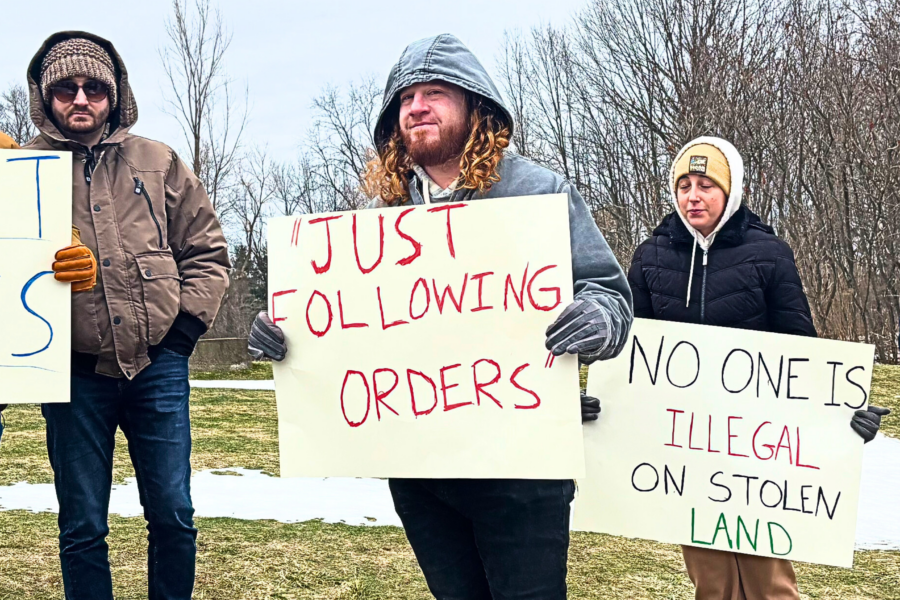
{"x":749,"y":281}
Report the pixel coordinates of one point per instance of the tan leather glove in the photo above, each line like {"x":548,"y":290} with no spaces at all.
{"x":7,"y":143}
{"x":76,"y":264}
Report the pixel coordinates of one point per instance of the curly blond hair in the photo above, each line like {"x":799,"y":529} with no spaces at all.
{"x":387,"y":174}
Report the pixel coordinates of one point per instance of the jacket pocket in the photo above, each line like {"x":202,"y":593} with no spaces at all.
{"x":161,"y":286}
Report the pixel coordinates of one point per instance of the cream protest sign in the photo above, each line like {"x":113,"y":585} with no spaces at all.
{"x":728,"y":439}
{"x":35,"y":222}
{"x":416,"y":341}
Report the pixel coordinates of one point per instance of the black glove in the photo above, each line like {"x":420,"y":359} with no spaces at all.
{"x":590,"y":408}
{"x":867,"y":422}
{"x":581,"y":328}
{"x":266,"y":339}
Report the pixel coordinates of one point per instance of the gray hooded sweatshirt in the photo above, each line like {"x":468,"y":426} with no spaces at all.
{"x":597,"y":275}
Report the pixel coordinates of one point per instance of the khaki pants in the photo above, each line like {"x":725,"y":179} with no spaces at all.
{"x":721,"y":575}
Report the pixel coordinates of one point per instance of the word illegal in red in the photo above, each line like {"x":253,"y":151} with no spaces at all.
{"x":763,"y":433}
{"x":378,"y":390}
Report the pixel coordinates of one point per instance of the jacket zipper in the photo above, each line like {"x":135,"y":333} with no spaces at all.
{"x":140,"y":190}
{"x":703,"y":289}
{"x":88,"y":167}
{"x":90,"y":163}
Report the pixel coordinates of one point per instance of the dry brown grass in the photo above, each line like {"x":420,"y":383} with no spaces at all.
{"x":254,"y":560}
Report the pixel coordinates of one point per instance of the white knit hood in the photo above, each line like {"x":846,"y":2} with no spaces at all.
{"x":736,"y":167}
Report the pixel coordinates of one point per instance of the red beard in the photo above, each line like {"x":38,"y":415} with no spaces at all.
{"x":428,"y":153}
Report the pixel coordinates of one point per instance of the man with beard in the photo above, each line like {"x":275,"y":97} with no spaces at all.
{"x":162,"y":273}
{"x":442,"y":136}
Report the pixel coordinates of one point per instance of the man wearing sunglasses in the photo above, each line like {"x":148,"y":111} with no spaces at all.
{"x":162,"y":271}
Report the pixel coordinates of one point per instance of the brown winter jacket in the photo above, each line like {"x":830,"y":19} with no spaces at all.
{"x":163,"y":260}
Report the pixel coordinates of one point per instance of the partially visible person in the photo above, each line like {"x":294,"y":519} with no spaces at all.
{"x":713,"y":262}
{"x":6,"y":143}
{"x":163,"y":265}
{"x":74,"y":264}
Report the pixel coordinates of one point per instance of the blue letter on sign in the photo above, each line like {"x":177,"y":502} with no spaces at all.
{"x":37,"y":176}
{"x":28,"y":308}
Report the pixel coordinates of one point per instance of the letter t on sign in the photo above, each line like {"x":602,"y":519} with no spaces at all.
{"x":37,"y":177}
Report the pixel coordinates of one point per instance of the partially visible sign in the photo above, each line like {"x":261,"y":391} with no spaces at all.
{"x":35,"y":222}
{"x":728,"y":439}
{"x":416,"y":341}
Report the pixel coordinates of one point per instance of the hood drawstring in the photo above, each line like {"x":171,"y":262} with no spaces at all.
{"x":426,"y":193}
{"x":691,"y":275}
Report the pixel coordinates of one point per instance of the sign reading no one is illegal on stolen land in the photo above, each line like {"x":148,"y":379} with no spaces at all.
{"x":728,"y":439}
{"x":416,"y":341}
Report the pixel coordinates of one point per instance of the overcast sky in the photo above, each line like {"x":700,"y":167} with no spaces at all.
{"x":285,"y":51}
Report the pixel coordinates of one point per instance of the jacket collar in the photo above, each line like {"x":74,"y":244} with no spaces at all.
{"x":731,"y":234}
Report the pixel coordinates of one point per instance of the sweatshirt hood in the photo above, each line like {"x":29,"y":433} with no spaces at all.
{"x":442,"y":57}
{"x":121,"y":117}
{"x":736,"y":169}
{"x":733,"y":203}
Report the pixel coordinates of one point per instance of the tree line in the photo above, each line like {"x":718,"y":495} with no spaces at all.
{"x":807,"y":90}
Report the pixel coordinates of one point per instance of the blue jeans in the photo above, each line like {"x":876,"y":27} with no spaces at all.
{"x":488,"y":539}
{"x":152,"y":410}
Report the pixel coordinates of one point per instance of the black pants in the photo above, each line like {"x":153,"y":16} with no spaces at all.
{"x":488,"y":539}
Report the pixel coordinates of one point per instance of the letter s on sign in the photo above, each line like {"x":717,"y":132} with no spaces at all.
{"x":31,"y":311}
{"x":513,"y":381}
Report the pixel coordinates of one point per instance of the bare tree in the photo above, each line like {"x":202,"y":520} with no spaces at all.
{"x":339,"y":144}
{"x":201,"y":96}
{"x":252,"y":204}
{"x":221,"y":147}
{"x":806,"y":89}
{"x":295,"y":188}
{"x":251,"y":201}
{"x":15,"y":114}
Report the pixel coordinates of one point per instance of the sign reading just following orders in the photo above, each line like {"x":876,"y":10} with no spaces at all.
{"x":416,"y":341}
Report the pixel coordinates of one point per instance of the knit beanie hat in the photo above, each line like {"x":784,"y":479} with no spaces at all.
{"x":78,"y":57}
{"x":706,"y":160}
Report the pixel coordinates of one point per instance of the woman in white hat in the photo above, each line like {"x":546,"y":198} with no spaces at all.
{"x":713,"y":262}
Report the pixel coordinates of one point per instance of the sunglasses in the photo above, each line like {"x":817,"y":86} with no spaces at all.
{"x":67,"y":91}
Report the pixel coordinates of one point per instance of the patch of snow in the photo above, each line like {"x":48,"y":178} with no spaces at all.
{"x":246,"y":494}
{"x":238,"y":384}
{"x":878,"y":521}
{"x":251,"y":496}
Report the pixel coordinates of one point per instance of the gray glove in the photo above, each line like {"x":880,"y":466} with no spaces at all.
{"x":867,"y":422}
{"x":266,"y":339}
{"x":590,"y":408}
{"x":580,"y":329}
